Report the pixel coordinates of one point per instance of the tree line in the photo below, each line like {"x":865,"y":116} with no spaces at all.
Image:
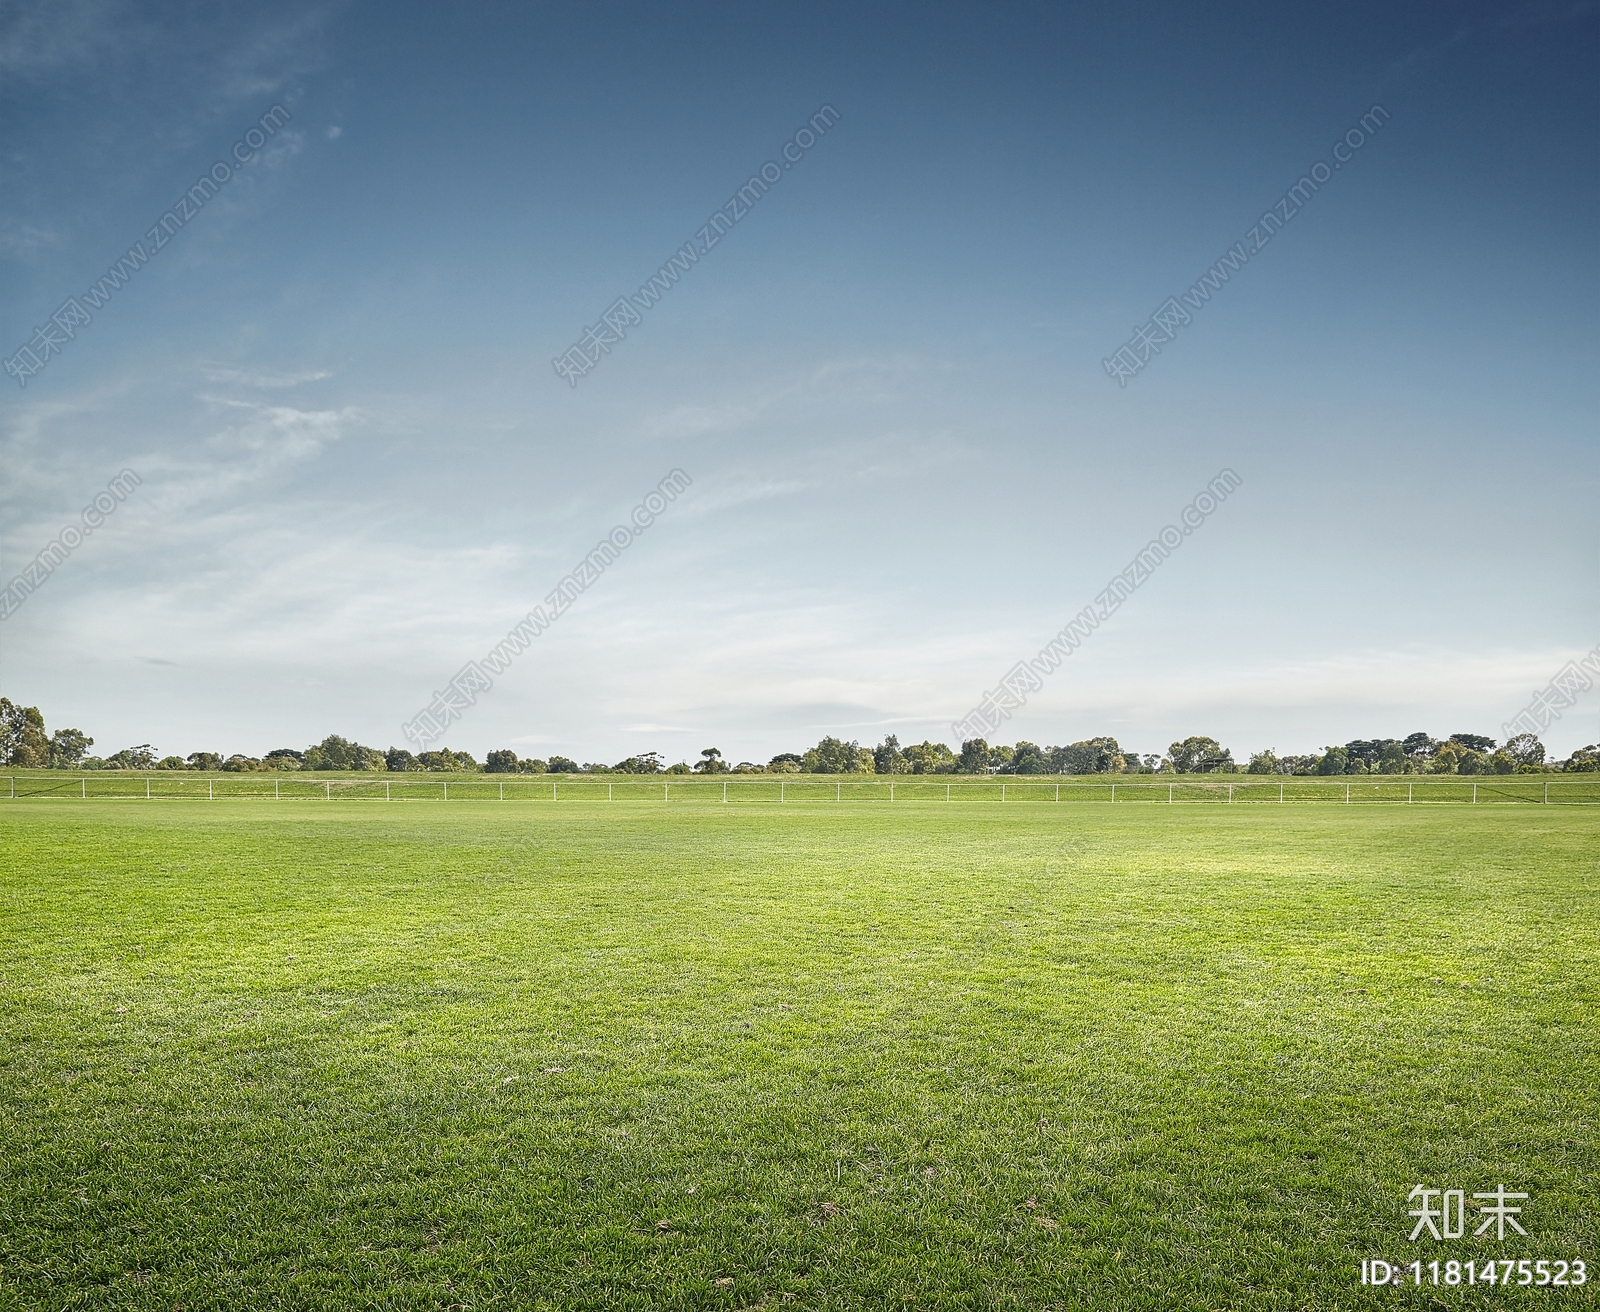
{"x":24,"y":743}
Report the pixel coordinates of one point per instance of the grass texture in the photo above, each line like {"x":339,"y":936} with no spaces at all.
{"x":928,"y":1055}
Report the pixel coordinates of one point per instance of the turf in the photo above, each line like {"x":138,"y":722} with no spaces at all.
{"x":648,"y":1056}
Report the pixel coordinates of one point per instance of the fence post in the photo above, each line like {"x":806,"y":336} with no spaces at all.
{"x":838,"y":786}
{"x":275,"y":790}
{"x":1058,"y":792}
{"x":1546,"y":792}
{"x":1230,"y":791}
{"x":1347,"y":794}
{"x":891,"y":792}
{"x":1002,"y":792}
{"x":1474,"y":792}
{"x":1409,"y":787}
{"x":147,"y":790}
{"x":502,"y":792}
{"x":386,"y":796}
{"x":947,"y":792}
{"x":1280,"y":791}
{"x":724,"y":790}
{"x":1113,"y":792}
{"x":83,"y":789}
{"x":1169,"y":792}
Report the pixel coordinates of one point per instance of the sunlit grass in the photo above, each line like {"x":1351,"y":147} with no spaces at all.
{"x":921,"y":1055}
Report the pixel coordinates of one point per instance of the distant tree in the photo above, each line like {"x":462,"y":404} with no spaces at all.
{"x":786,"y":763}
{"x":974,"y":758}
{"x":1501,"y":762}
{"x":1028,"y":758}
{"x":1090,"y":756}
{"x":1449,"y":758}
{"x":170,"y":763}
{"x":643,"y":763}
{"x":336,"y":753}
{"x":286,"y":758}
{"x":1200,"y":756}
{"x":887,"y":758}
{"x":202,"y":761}
{"x":682,"y":767}
{"x":23,"y":740}
{"x":67,"y":748}
{"x":446,"y":761}
{"x":1393,"y":759}
{"x":833,"y":756}
{"x":1475,"y":742}
{"x":500,"y":762}
{"x":563,"y":765}
{"x":141,"y":757}
{"x":1420,"y":748}
{"x":710,"y":762}
{"x":929,"y":757}
{"x":1263,"y":762}
{"x":1335,"y":760}
{"x":399,"y":760}
{"x":1586,"y":760}
{"x":240,"y":764}
{"x":749,"y":767}
{"x":1524,"y":749}
{"x":532,"y":765}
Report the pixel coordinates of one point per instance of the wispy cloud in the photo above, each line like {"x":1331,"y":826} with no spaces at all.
{"x":262,"y":378}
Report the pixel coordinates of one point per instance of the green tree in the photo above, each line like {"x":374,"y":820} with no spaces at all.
{"x":1199,"y":756}
{"x":1263,"y":762}
{"x":1335,"y":760}
{"x":833,"y":756}
{"x":1393,"y":759}
{"x":643,"y":763}
{"x":500,"y":762}
{"x":23,"y":740}
{"x":1586,"y":760}
{"x":67,"y":748}
{"x":201,"y":761}
{"x":1474,"y":742}
{"x":887,"y":758}
{"x":532,"y":765}
{"x":710,"y":762}
{"x":286,"y":758}
{"x":1028,"y":758}
{"x":134,"y":758}
{"x":563,"y":765}
{"x":1090,"y":756}
{"x":170,"y":763}
{"x":974,"y":757}
{"x":786,"y":763}
{"x":929,"y":757}
{"x":1525,"y":749}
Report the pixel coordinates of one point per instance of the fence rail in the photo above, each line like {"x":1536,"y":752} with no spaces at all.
{"x":1242,"y":790}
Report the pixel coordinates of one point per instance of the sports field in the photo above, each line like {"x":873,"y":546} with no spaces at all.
{"x":642,"y":1054}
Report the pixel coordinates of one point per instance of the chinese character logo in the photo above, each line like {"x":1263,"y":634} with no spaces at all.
{"x":1446,"y":1218}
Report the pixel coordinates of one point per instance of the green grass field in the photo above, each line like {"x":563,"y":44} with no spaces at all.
{"x":927,"y":1055}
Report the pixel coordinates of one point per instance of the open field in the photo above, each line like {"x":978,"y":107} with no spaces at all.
{"x":1550,"y":789}
{"x":928,"y":1055}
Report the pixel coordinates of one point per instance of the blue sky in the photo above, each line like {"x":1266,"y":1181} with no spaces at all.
{"x":910,"y":466}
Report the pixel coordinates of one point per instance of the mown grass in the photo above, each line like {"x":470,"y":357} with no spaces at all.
{"x":928,"y":1055}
